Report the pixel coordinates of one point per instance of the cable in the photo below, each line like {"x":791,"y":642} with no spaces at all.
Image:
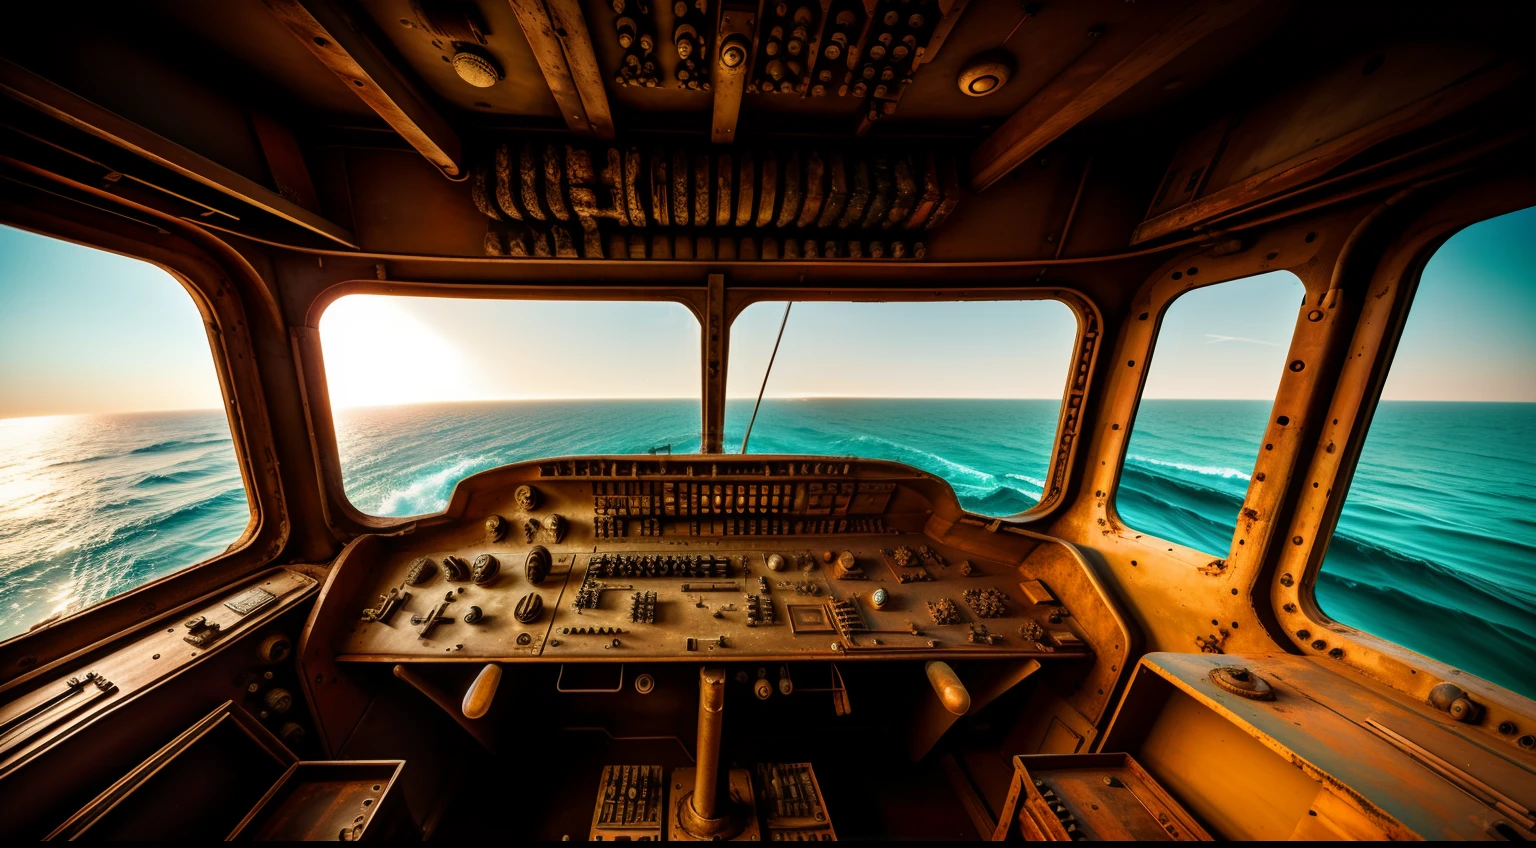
{"x":766,"y":372}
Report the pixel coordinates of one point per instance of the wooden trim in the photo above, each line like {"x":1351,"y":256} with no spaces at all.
{"x":1066,"y":102}
{"x":66,"y":106}
{"x":550,"y":52}
{"x":333,"y":39}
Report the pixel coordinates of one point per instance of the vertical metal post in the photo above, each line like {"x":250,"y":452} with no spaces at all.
{"x":715,"y":347}
{"x":706,"y":781}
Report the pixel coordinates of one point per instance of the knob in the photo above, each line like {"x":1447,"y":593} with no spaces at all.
{"x":485,"y":569}
{"x":776,"y":562}
{"x":526,"y":497}
{"x":292,"y":733}
{"x":274,"y":649}
{"x":455,"y":569}
{"x":880,"y":598}
{"x":474,"y":615}
{"x":536,"y":567}
{"x":762,"y":688}
{"x":733,"y":53}
{"x":495,"y":528}
{"x":421,"y":571}
{"x":528,"y":608}
{"x":278,"y":700}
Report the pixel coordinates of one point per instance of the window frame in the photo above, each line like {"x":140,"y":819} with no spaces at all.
{"x":221,"y":286}
{"x":1077,"y":384}
{"x":339,"y":511}
{"x":1170,"y":286}
{"x":1393,"y":278}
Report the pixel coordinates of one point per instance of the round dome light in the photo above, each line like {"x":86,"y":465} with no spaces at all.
{"x":476,"y":69}
{"x":984,"y":76}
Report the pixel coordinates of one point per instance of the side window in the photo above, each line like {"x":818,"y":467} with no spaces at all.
{"x":116,"y":464}
{"x":426,"y":391}
{"x":968,"y":391}
{"x":1435,"y":546}
{"x":1217,"y":363}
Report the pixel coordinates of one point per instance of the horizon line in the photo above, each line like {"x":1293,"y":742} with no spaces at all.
{"x":728,"y":398}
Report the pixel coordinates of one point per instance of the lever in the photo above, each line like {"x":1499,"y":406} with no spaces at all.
{"x":947,"y":685}
{"x":477,"y":699}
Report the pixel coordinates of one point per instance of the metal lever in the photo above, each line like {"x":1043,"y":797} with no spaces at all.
{"x":75,"y":686}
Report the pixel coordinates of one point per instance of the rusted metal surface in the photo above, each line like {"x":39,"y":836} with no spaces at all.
{"x":359,"y":64}
{"x":804,"y":213}
{"x":50,"y":98}
{"x":570,"y":91}
{"x":1087,"y":86}
{"x":1429,"y":100}
{"x":1317,"y":722}
{"x":877,"y":210}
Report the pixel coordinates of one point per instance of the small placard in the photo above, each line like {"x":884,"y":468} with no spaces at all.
{"x":250,"y":600}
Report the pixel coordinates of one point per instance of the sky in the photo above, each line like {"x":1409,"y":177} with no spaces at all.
{"x":84,"y":331}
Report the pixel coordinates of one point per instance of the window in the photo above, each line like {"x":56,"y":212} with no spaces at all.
{"x":1211,"y":381}
{"x":116,"y":464}
{"x":1435,"y":544}
{"x":968,"y":391}
{"x":427,"y":391}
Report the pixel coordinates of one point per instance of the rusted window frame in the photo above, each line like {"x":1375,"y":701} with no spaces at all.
{"x":224,"y":289}
{"x":1412,"y":238}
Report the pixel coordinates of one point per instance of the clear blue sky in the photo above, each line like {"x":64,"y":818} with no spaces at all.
{"x":86,"y":331}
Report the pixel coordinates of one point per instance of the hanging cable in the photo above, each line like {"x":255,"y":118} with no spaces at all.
{"x":766,"y":372}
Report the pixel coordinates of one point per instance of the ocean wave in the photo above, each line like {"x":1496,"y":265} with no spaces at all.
{"x":177,"y":444}
{"x":177,"y":478}
{"x":430,"y":493}
{"x":1205,"y":470}
{"x":932,"y":457}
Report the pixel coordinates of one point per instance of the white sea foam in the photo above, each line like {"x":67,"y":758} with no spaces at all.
{"x":1207,"y":470}
{"x":931,"y":457}
{"x":429,"y":493}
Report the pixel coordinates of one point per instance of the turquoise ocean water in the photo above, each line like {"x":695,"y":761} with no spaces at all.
{"x":1436,"y":549}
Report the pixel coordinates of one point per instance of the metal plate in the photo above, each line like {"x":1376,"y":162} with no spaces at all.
{"x":250,"y":600}
{"x":629,"y":804}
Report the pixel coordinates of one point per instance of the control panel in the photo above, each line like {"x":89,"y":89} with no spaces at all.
{"x":688,"y":560}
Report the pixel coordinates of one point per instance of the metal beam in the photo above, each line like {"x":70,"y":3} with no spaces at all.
{"x":75,"y":111}
{"x":555,"y":34}
{"x":735,"y":45}
{"x":581,"y":58}
{"x":714,"y":354}
{"x":1080,"y":91}
{"x":327,"y":33}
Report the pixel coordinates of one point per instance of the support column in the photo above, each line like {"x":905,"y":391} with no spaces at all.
{"x":717,"y":337}
{"x":719,"y":805}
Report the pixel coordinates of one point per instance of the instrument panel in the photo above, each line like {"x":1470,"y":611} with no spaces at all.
{"x":617,"y":560}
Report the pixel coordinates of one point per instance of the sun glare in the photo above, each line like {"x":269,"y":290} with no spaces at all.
{"x":378,"y":355}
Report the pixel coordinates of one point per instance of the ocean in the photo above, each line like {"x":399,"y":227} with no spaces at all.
{"x":1436,"y":548}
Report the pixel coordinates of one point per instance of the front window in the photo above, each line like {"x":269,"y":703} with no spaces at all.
{"x":968,"y":391}
{"x":116,"y":463}
{"x":427,"y":391}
